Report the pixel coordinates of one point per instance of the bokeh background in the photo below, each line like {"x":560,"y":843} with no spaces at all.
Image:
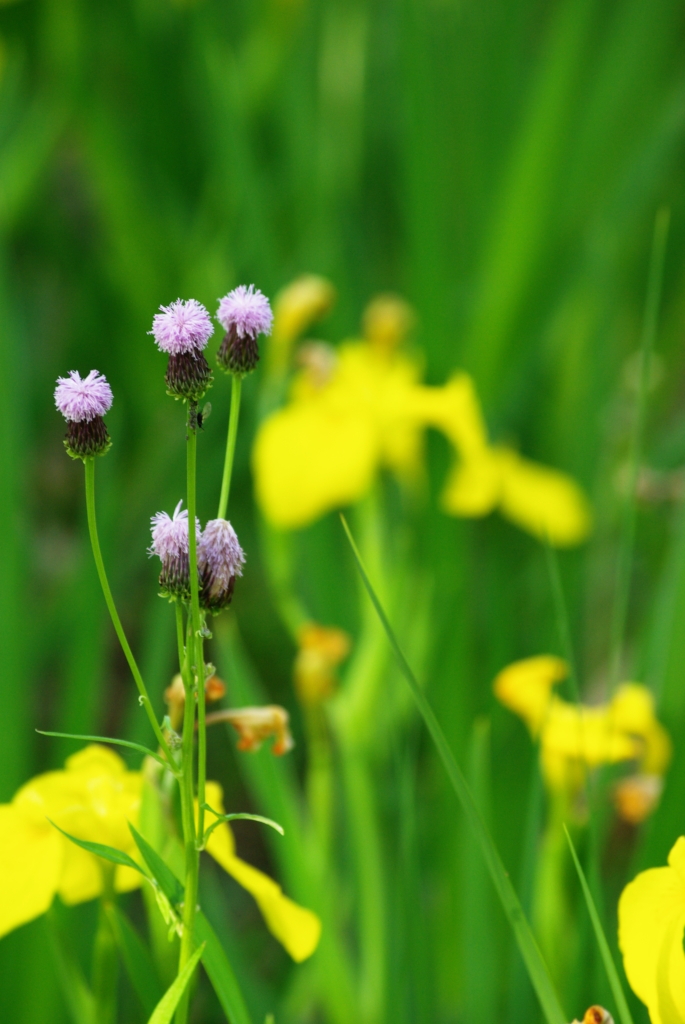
{"x":498,"y":164}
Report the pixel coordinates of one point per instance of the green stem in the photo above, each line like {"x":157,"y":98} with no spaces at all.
{"x":193,"y":677}
{"x":116,"y":621}
{"x":197,"y":644}
{"x":192,"y":857}
{"x":627,"y":543}
{"x":180,"y":642}
{"x":236,"y":386}
{"x":105,"y":957}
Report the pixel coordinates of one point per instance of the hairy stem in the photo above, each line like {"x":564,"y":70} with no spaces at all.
{"x":116,"y":621}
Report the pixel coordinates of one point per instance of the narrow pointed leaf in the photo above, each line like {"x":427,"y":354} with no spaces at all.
{"x":100,"y":850}
{"x":110,"y":739}
{"x":166,"y":1007}
{"x":221,"y":818}
{"x":605,"y":952}
{"x":220,"y":973}
{"x":169,"y":884}
{"x":528,"y":947}
{"x":136,"y":959}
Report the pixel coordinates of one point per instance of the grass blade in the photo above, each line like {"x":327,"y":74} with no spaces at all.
{"x":222,"y":818}
{"x":528,"y":947}
{"x":166,"y":1007}
{"x":136,"y":958}
{"x":221,"y":973}
{"x":100,"y":850}
{"x":605,"y":952}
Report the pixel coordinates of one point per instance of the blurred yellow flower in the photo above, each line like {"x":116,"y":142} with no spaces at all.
{"x":651,"y":919}
{"x":94,"y":799}
{"x":296,"y":928}
{"x":370,"y":410}
{"x":575,"y":737}
{"x":299,"y":304}
{"x":321,"y":649}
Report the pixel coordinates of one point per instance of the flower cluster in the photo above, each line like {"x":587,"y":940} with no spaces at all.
{"x":369,"y":411}
{"x":574,"y":738}
{"x":220,"y":558}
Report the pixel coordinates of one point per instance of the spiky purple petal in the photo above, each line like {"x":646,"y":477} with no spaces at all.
{"x":182,"y":327}
{"x":246,"y":311}
{"x":81,"y":400}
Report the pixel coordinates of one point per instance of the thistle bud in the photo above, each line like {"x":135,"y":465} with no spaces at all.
{"x":83,"y":403}
{"x":170,"y":544}
{"x":183,"y":330}
{"x":220,"y":559}
{"x":244,"y":314}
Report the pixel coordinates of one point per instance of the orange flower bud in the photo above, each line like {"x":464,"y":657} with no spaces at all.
{"x":322,"y":648}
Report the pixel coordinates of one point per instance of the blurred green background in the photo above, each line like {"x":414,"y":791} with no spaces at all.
{"x":499,"y":164}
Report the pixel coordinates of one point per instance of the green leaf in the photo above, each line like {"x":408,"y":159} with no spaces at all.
{"x":221,"y":818}
{"x":136,"y":958}
{"x":220,"y":973}
{"x":166,"y":1007}
{"x":528,"y":947}
{"x":116,"y":742}
{"x":100,"y":850}
{"x":169,"y":884}
{"x":605,"y":952}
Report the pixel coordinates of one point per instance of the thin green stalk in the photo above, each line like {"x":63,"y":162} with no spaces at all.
{"x":180,"y":643}
{"x":116,"y":621}
{"x":627,"y":542}
{"x":105,"y":956}
{"x":236,"y":387}
{"x":192,"y":856}
{"x":193,"y":679}
{"x":561,"y":613}
{"x":197,"y":644}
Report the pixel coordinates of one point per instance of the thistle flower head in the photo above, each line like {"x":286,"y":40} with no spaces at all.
{"x":182,"y":327}
{"x":81,"y":400}
{"x":220,"y":559}
{"x":170,"y":533}
{"x":245,"y":311}
{"x":170,"y":544}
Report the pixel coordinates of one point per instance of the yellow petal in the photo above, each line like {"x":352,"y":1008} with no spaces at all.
{"x":633,"y":711}
{"x":585,"y":734}
{"x":525,"y":686}
{"x":296,"y":928}
{"x":30,"y":864}
{"x":651,"y":912}
{"x":94,"y":799}
{"x":311,"y":458}
{"x":455,"y":410}
{"x":473,"y":487}
{"x":547,"y":503}
{"x":298,"y":305}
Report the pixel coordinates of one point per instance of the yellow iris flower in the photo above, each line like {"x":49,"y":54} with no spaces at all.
{"x":370,"y":411}
{"x":94,"y":799}
{"x":651,"y":920}
{"x":574,"y":738}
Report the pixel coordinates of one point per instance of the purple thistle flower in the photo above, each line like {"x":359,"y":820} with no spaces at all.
{"x":83,"y":403}
{"x":246,"y":311}
{"x":182,"y":327}
{"x":170,"y":544}
{"x":79,"y":400}
{"x":220,"y":560}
